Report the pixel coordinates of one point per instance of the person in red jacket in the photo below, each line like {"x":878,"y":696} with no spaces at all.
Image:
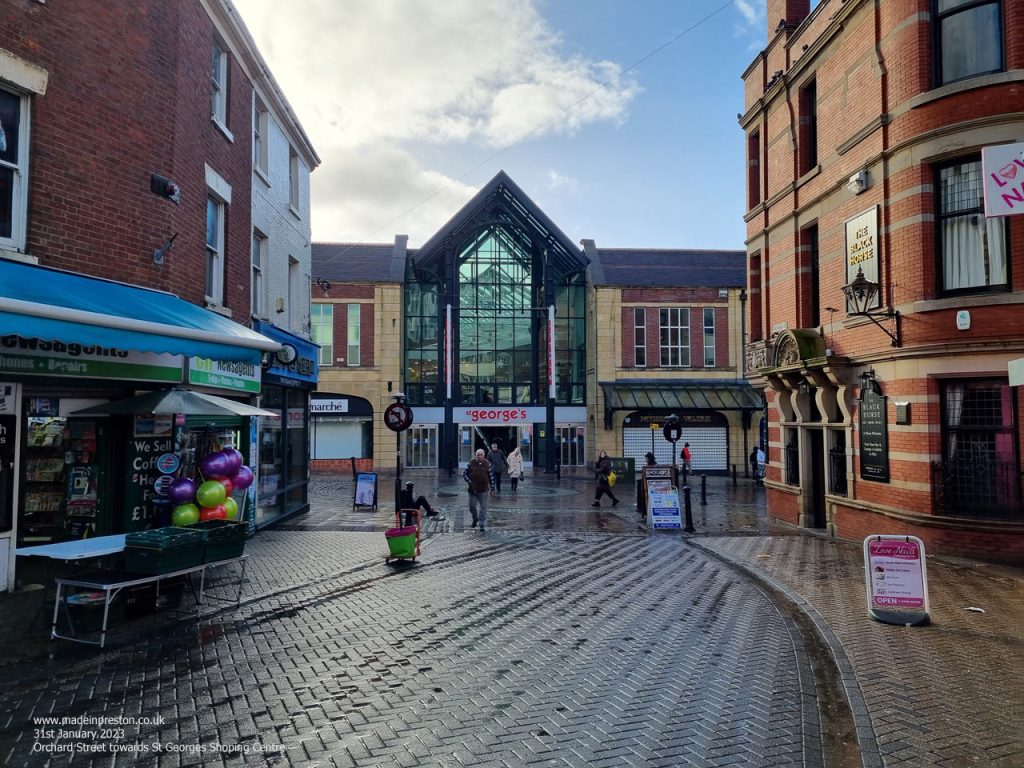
{"x":686,"y":456}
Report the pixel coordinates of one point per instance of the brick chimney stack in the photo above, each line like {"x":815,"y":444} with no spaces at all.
{"x":792,"y":11}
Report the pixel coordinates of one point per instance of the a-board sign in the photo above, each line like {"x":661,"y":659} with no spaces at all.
{"x":896,"y":579}
{"x":662,"y":498}
{"x":366,"y":490}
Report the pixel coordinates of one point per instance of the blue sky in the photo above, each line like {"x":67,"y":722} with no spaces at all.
{"x":413,"y":105}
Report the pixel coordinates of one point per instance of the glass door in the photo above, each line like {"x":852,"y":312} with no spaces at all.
{"x":421,"y":447}
{"x":571,"y":444}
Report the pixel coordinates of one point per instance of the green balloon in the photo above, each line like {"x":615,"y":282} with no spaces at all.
{"x":211,"y":493}
{"x":185,"y":514}
{"x":231,"y":508}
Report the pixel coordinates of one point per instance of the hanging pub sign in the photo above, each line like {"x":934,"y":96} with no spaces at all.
{"x":862,"y":250}
{"x":874,"y":438}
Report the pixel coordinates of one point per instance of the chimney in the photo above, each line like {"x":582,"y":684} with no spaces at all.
{"x":791,"y":12}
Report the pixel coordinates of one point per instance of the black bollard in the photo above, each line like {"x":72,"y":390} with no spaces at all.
{"x":733,"y":475}
{"x":688,"y":528}
{"x":683,"y":482}
{"x":704,"y":490}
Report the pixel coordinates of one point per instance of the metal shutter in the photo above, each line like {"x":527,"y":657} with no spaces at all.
{"x":708,"y":445}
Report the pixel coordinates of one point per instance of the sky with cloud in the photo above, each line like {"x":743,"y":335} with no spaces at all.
{"x":617,"y":117}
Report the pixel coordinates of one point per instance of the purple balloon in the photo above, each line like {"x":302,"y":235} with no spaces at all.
{"x":215,"y":465}
{"x":182,"y":490}
{"x":235,"y":459}
{"x":243,"y":478}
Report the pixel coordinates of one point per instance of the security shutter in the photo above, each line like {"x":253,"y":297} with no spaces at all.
{"x":708,"y":445}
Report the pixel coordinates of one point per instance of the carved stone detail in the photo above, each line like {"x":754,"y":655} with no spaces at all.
{"x":787,"y":352}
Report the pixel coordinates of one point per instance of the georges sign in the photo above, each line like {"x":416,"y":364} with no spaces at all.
{"x":500,"y":415}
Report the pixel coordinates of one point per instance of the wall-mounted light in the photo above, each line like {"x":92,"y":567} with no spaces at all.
{"x":323,"y":285}
{"x":860,"y":295}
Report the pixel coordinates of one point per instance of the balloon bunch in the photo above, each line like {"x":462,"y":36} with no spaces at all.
{"x":222,"y":472}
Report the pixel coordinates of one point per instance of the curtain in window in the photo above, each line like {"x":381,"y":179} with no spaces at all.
{"x":974,"y":252}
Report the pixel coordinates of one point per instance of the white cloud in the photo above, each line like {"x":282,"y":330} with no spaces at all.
{"x":753,"y":12}
{"x":557,"y":181}
{"x":371,"y":79}
{"x":365,"y":71}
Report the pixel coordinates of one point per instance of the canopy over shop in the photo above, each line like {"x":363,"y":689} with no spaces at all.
{"x":73,"y":341}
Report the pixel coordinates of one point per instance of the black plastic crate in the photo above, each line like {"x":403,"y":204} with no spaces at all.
{"x":163,"y":538}
{"x":85,"y":611}
{"x":155,"y":561}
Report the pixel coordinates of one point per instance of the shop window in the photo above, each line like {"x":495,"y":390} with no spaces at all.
{"x":709,"y":337}
{"x":978,"y":474}
{"x":13,"y":168}
{"x":674,"y":327}
{"x":973,"y":249}
{"x":639,"y":337}
{"x":791,"y":451}
{"x":968,"y":39}
{"x":322,"y":329}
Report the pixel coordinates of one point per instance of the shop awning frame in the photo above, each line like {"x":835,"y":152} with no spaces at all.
{"x":54,"y":305}
{"x":679,"y":396}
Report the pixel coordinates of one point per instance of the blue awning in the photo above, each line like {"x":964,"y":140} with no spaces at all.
{"x":53,"y":305}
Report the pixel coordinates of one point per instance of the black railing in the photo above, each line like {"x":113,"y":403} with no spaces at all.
{"x":792,"y":464}
{"x":977,"y":487}
{"x":837,"y":471}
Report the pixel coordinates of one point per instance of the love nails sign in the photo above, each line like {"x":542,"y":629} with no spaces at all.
{"x":1002,"y":172}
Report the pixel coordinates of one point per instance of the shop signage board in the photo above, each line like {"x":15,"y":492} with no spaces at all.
{"x":874,"y":439}
{"x":862,"y":252}
{"x":366,"y":490}
{"x":1002,"y":172}
{"x":329,"y":405}
{"x":220,"y":374}
{"x":896,"y":579}
{"x":80,"y":361}
{"x":141,"y":480}
{"x":662,"y":498}
{"x":248,"y":514}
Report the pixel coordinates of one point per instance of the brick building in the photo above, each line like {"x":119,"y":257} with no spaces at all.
{"x":461,"y":325}
{"x":130,"y":152}
{"x":884,"y":306}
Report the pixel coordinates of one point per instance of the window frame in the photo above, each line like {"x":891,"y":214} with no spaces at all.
{"x":219,"y":86}
{"x":215,"y":257}
{"x":258,"y":261}
{"x":709,"y":312}
{"x":808,"y":128}
{"x":640,"y":337}
{"x":978,"y":211}
{"x":321,"y":323}
{"x":293,"y":180}
{"x":666,"y":328}
{"x":356,"y":311}
{"x":19,"y":170}
{"x":260,"y":136}
{"x":753,"y":169}
{"x":939,"y":17}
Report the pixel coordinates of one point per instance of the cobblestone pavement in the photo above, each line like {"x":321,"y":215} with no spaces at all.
{"x":496,"y":649}
{"x":564,"y":636}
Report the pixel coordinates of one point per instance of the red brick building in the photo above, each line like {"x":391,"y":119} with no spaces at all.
{"x":131,"y":136}
{"x":865,"y":124}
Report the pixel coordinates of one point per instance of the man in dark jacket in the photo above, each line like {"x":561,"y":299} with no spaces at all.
{"x":496,"y":457}
{"x":477,"y":476}
{"x":419,"y":502}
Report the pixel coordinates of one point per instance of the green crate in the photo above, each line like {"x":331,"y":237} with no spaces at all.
{"x":223,"y":539}
{"x":156,"y":561}
{"x":163,"y":538}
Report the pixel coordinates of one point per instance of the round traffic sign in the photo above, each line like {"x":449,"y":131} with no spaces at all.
{"x":398,"y":417}
{"x":672,"y":431}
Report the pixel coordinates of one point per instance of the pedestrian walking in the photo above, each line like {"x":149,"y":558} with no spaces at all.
{"x":761,"y":460}
{"x":477,"y":477}
{"x":686,"y":456}
{"x":496,"y":458}
{"x":649,"y":458}
{"x":602,"y":468}
{"x":753,"y":462}
{"x":515,"y":467}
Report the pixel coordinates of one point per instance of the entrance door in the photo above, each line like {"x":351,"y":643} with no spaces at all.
{"x":421,"y":447}
{"x":817,"y":449}
{"x":572,"y":445}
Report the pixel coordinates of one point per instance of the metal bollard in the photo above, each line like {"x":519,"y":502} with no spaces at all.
{"x":704,"y":490}
{"x":733,"y":475}
{"x":688,"y":528}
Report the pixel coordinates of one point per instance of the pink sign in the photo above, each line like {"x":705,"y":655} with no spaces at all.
{"x":895,"y":573}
